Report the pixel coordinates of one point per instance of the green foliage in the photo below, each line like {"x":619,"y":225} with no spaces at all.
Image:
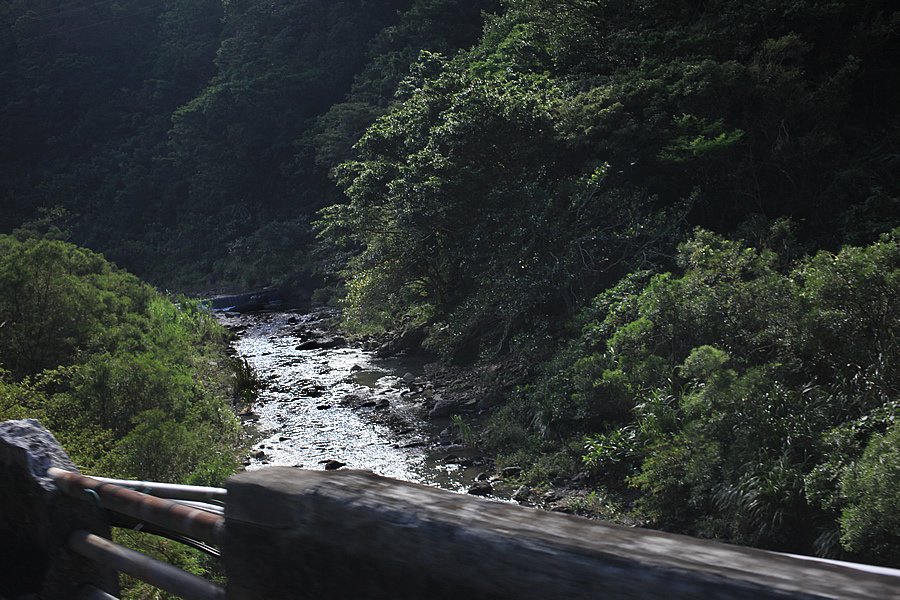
{"x":753,"y":401}
{"x":870,"y":522}
{"x":172,"y":552}
{"x":564,"y":149}
{"x":468,"y":201}
{"x":464,"y":430}
{"x":189,"y":140}
{"x":701,"y":138}
{"x":500,"y":175}
{"x":132,"y":384}
{"x":247,"y":382}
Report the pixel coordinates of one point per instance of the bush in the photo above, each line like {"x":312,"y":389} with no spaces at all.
{"x":746,"y":399}
{"x":871,"y":520}
{"x":132,"y":384}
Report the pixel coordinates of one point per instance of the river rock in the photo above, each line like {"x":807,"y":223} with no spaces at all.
{"x":443,"y":408}
{"x":511,"y":472}
{"x":551,"y":496}
{"x":481,"y":488}
{"x":415,"y":444}
{"x":353,"y":399}
{"x":445,"y":437}
{"x":333,"y":465}
{"x":522,"y":494}
{"x":408,"y":340}
{"x":409,"y":377}
{"x":313,"y":391}
{"x":318,"y":344}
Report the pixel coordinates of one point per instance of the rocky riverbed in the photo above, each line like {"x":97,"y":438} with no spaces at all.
{"x":327,"y":403}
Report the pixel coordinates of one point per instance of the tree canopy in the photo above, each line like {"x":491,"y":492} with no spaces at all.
{"x":132,"y":384}
{"x":682,"y":213}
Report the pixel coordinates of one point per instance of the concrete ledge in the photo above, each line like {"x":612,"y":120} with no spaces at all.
{"x":312,"y":534}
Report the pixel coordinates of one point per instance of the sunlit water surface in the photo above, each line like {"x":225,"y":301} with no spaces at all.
{"x":302,"y":421}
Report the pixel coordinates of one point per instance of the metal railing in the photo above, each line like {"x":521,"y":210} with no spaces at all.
{"x":187,"y":514}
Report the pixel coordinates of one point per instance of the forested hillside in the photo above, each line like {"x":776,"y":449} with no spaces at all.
{"x":720,"y":174}
{"x":682,"y":216}
{"x":190,"y":142}
{"x":578,"y":141}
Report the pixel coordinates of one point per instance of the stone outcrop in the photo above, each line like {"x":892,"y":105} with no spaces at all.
{"x":36,"y":520}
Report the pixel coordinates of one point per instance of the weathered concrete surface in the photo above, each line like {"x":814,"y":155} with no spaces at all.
{"x":36,"y":520}
{"x":347,"y":534}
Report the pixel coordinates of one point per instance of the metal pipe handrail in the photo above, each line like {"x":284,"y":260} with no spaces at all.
{"x":216,"y":509}
{"x":124,"y":522}
{"x":154,"y":572}
{"x":168,"y":514}
{"x":172,"y":491}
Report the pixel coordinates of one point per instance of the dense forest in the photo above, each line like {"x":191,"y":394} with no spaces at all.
{"x":682,"y":216}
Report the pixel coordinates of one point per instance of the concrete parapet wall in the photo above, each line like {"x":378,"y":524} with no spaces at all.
{"x":347,"y":534}
{"x":298,"y":534}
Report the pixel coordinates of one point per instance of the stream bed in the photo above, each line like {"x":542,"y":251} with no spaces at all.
{"x":333,"y":405}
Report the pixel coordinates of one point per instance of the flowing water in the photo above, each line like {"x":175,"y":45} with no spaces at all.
{"x":309,"y":411}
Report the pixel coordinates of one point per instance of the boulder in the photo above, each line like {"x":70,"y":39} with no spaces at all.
{"x":511,"y":471}
{"x":522,"y":494}
{"x":353,"y":399}
{"x":443,"y":408}
{"x":36,"y":519}
{"x":321,"y":343}
{"x":481,"y":488}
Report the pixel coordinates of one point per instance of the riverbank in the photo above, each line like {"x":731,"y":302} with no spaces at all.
{"x":329,"y":401}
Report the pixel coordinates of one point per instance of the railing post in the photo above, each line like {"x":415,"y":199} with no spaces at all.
{"x":36,"y":520}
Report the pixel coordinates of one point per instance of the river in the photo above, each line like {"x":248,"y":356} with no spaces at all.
{"x":343,"y":404}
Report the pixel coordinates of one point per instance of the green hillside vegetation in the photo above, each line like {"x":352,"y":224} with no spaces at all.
{"x":746,"y":391}
{"x":131,"y":384}
{"x":579,"y":141}
{"x":190,"y":142}
{"x":746,"y":399}
{"x":682,"y":214}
